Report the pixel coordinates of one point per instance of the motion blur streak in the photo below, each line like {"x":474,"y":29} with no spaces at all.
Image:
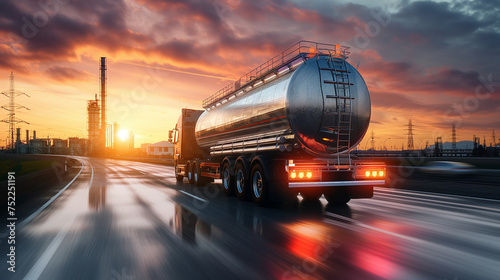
{"x":179,"y":71}
{"x":132,"y":222}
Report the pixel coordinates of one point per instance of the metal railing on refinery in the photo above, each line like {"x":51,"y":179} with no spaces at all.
{"x":304,"y":49}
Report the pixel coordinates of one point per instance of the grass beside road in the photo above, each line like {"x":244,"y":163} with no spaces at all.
{"x":22,"y":166}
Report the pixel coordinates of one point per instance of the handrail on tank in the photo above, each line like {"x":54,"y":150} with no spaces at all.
{"x":304,"y":49}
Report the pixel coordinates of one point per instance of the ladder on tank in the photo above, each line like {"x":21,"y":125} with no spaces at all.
{"x":343,"y":102}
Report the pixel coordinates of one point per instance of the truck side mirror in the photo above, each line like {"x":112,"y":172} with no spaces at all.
{"x":170,"y":136}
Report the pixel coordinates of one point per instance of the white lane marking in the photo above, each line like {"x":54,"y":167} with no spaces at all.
{"x":441,"y":194}
{"x":42,"y":262}
{"x":47,"y":255}
{"x":194,"y":196}
{"x":32,"y":216}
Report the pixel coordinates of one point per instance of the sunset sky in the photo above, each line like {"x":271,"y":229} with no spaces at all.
{"x":436,"y":62}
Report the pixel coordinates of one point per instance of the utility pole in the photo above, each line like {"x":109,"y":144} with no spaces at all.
{"x":493,"y":137}
{"x":453,"y":137}
{"x":373,"y":141}
{"x":410,"y":135}
{"x":11,"y":107}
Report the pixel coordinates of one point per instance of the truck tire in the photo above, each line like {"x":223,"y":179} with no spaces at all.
{"x":259,"y":185}
{"x":197,"y":179}
{"x":178,"y":178}
{"x":242,"y":182}
{"x":189,"y":171}
{"x":227,"y":179}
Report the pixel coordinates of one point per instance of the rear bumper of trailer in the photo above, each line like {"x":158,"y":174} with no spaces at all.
{"x":336,"y":184}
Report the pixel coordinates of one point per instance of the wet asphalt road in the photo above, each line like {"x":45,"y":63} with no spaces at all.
{"x":122,"y":220}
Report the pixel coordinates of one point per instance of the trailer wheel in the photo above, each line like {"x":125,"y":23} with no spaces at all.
{"x":242,"y":182}
{"x":227,"y":179}
{"x":197,"y":179}
{"x":189,"y":170}
{"x":178,"y":177}
{"x":338,"y":197}
{"x":259,"y":185}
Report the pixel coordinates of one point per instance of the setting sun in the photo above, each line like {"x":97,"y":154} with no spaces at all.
{"x":123,"y":135}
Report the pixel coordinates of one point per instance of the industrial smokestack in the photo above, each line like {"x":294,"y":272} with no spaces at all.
{"x":27,"y":136}
{"x":103,"y":101}
{"x":34,"y":134}
{"x":18,"y":136}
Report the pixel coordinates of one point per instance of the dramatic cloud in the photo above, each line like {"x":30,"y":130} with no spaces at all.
{"x":67,"y":74}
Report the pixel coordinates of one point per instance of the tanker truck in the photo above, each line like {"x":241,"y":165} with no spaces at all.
{"x":286,"y":127}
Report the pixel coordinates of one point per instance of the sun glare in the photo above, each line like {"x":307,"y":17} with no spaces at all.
{"x":123,"y":135}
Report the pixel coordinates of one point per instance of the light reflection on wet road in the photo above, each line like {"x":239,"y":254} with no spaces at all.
{"x":126,"y":220}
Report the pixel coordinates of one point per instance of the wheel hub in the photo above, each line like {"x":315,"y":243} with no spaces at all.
{"x":257,"y":184}
{"x":226,"y":179}
{"x":240,"y":181}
